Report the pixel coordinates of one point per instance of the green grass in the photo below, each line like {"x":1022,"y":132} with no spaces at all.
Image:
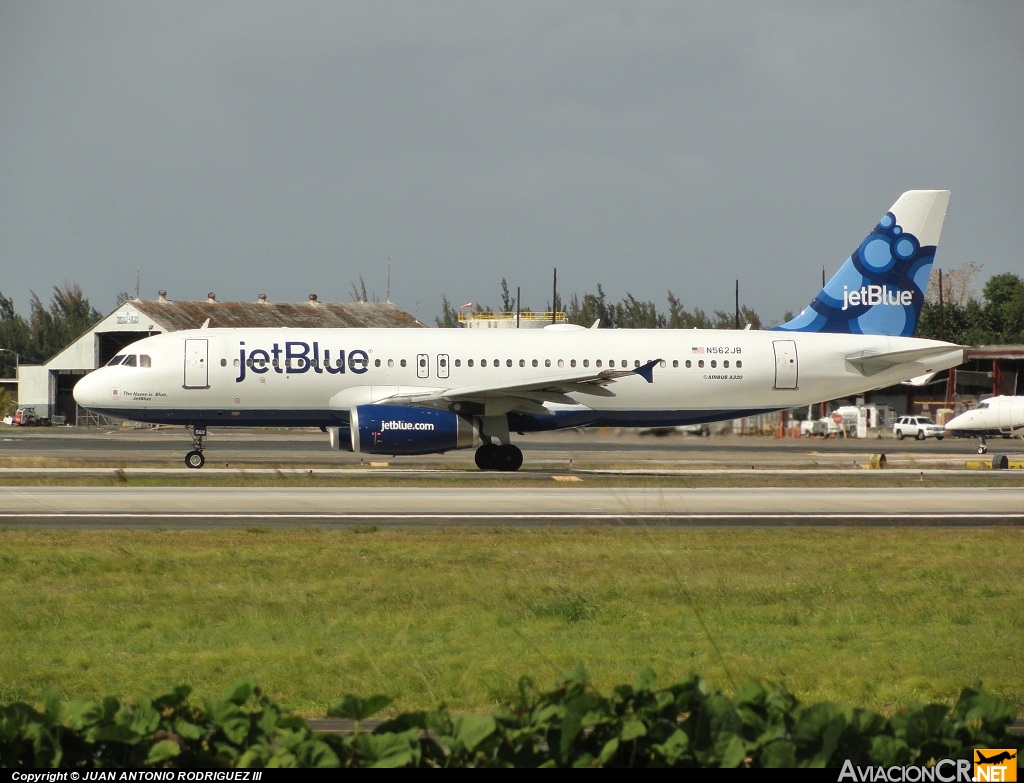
{"x":877,"y":617}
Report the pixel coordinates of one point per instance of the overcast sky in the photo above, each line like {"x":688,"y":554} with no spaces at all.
{"x":289,"y":148}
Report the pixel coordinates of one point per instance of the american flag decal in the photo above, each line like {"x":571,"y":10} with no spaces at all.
{"x":695,"y":349}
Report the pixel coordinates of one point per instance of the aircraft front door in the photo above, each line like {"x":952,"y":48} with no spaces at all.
{"x":786,"y":367}
{"x":197,"y":374}
{"x":422,"y":365}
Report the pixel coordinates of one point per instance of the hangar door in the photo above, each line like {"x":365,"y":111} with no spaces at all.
{"x":786,"y":368}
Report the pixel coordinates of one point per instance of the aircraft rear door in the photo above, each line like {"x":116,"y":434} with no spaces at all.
{"x":786,"y":368}
{"x":197,"y":374}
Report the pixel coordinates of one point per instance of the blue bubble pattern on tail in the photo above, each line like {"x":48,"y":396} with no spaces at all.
{"x":879,"y":290}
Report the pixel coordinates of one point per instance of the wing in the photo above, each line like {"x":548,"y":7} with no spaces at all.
{"x":529,"y":394}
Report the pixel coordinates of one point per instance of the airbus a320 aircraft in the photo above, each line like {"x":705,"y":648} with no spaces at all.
{"x":423,"y":391}
{"x":996,"y":416}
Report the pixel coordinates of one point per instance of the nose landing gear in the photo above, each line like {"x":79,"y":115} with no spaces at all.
{"x":195,"y":458}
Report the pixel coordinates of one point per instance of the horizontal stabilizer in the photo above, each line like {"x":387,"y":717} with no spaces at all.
{"x":920,"y":380}
{"x":874,"y":363}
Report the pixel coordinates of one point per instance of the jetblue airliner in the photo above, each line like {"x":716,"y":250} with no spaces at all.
{"x":423,"y":391}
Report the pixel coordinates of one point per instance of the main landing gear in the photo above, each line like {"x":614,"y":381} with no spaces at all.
{"x":499,"y":456}
{"x":195,"y":458}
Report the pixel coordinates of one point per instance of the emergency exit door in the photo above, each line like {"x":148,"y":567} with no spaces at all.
{"x":786,"y":367}
{"x":197,"y":374}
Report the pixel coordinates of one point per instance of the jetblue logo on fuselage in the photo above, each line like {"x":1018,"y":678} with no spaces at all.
{"x":297,"y":357}
{"x":875,"y":295}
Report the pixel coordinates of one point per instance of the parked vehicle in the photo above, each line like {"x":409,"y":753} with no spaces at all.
{"x":811,"y":427}
{"x":25,"y":417}
{"x":919,"y":427}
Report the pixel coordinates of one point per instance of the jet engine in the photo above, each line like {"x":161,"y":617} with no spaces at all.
{"x":403,"y":429}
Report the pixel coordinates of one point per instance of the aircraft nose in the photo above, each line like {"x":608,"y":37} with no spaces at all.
{"x":87,"y":390}
{"x":958,"y":421}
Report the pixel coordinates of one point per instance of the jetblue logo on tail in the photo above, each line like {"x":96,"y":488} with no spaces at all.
{"x":880,"y":288}
{"x":876,"y":295}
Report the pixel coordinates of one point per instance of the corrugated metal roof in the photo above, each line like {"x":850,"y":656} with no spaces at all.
{"x":996,"y":352}
{"x":175,"y":316}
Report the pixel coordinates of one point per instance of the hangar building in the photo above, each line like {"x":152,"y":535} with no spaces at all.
{"x":48,"y":387}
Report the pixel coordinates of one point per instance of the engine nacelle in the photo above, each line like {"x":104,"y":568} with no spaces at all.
{"x":341,"y":438}
{"x":403,"y":429}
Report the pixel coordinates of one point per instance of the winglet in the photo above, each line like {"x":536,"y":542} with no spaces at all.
{"x":647,"y":371}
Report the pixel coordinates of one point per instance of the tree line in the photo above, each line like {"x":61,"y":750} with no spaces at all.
{"x":628,"y":313}
{"x":952,"y":313}
{"x":47,"y":330}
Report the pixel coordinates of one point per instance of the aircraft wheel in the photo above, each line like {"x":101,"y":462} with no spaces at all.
{"x":508,"y":457}
{"x":899,"y":434}
{"x":486,"y":456}
{"x":982,"y":449}
{"x":195,"y":459}
{"x":939,"y":437}
{"x":920,"y":435}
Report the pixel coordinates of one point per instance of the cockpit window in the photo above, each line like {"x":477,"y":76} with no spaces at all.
{"x":145,"y":361}
{"x":982,"y":405}
{"x":116,"y":360}
{"x":129,"y":361}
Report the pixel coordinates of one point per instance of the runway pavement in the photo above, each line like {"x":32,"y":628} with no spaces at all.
{"x":468,"y":502}
{"x":226,"y":507}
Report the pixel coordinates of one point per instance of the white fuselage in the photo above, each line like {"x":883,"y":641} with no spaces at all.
{"x":994,"y":416}
{"x":314,"y":377}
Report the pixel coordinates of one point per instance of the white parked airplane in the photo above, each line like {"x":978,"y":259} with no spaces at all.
{"x":422,"y":391}
{"x":996,"y":416}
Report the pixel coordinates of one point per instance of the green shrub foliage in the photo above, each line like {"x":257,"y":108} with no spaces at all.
{"x":573,"y":725}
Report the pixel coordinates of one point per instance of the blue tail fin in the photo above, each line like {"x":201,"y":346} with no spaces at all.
{"x":880,"y":289}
